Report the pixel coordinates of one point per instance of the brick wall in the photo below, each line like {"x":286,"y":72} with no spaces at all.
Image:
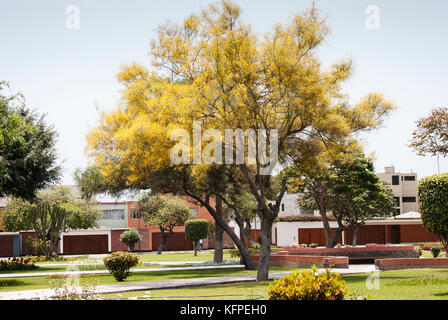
{"x":6,"y":245}
{"x":411,"y":263}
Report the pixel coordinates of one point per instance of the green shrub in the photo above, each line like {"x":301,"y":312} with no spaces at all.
{"x":235,"y":253}
{"x":419,"y":251}
{"x":433,"y":204}
{"x":131,"y":237}
{"x":313,"y":245}
{"x":120,"y":263}
{"x":435,"y":251}
{"x":308,"y":285}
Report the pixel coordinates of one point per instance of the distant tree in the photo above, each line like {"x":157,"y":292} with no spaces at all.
{"x":89,"y":182}
{"x":352,"y":192}
{"x":52,"y":212}
{"x":27,"y":149}
{"x":164,"y":212}
{"x":431,"y":135}
{"x":196,"y":230}
{"x":130,"y":237}
{"x":433,"y":202}
{"x":357,"y":194}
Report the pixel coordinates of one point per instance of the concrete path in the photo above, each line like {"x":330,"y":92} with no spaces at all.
{"x":168,"y":284}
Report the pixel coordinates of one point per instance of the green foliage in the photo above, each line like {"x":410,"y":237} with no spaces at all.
{"x":433,"y":203}
{"x":430,"y":137}
{"x":435,"y":251}
{"x":308,"y":285}
{"x":30,"y":245}
{"x":130,"y":237}
{"x":163,"y":211}
{"x":52,"y":212}
{"x":27,"y":149}
{"x":89,"y":181}
{"x":196,"y":229}
{"x":120,"y":263}
{"x":235,"y":253}
{"x":313,"y":245}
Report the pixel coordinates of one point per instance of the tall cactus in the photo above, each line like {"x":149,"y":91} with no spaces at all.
{"x":48,"y":223}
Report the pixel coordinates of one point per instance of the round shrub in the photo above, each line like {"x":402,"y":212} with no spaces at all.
{"x":435,"y":251}
{"x":313,"y":245}
{"x":308,"y":285}
{"x":131,"y":237}
{"x":119,"y":264}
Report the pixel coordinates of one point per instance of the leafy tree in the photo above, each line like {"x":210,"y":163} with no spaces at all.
{"x":357,"y":194}
{"x":196,"y":230}
{"x":27,"y":149}
{"x":214,"y":69}
{"x":433,"y":201}
{"x":431,"y":135}
{"x":89,"y":182}
{"x":164,"y":212}
{"x":52,"y":212}
{"x":352,"y":192}
{"x":130,"y":237}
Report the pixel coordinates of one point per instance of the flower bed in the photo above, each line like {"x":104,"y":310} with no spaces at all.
{"x":17,"y":264}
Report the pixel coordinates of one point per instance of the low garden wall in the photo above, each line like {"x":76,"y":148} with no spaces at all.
{"x":302,"y":261}
{"x":368,"y":252}
{"x":411,"y":263}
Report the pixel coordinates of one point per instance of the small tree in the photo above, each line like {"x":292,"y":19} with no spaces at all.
{"x":130,"y":237}
{"x":196,"y":230}
{"x":165,"y":212}
{"x":433,"y":198}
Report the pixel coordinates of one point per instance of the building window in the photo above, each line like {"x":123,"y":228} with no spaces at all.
{"x":398,"y":211}
{"x":133,"y":214}
{"x":409,"y":199}
{"x":409,"y":178}
{"x":194,"y":211}
{"x":283,"y":207}
{"x":395,"y":180}
{"x":113,"y":214}
{"x":397,"y":201}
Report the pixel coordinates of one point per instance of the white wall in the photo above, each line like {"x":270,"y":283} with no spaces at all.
{"x":288,"y":232}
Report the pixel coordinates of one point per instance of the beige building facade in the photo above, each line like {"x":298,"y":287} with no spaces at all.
{"x":404,"y":187}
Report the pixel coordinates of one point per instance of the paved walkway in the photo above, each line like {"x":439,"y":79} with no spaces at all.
{"x":168,"y":284}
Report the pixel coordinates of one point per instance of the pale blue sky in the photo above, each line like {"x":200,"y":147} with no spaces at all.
{"x":63,"y":72}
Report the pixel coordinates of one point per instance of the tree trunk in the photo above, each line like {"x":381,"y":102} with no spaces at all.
{"x":355,"y":235}
{"x":165,"y":238}
{"x":195,"y":246}
{"x":242,"y":247}
{"x":265,"y":250}
{"x":219,"y":232}
{"x":326,"y":224}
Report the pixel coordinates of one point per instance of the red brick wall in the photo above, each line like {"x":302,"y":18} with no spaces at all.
{"x":115,"y":243}
{"x":416,"y":233}
{"x":411,"y":263}
{"x":6,"y":246}
{"x":24,"y":235}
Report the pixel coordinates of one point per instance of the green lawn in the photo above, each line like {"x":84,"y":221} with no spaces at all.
{"x":206,"y":255}
{"x":423,"y":284}
{"x":29,"y":283}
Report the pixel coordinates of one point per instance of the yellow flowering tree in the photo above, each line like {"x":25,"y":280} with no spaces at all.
{"x":213,"y":70}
